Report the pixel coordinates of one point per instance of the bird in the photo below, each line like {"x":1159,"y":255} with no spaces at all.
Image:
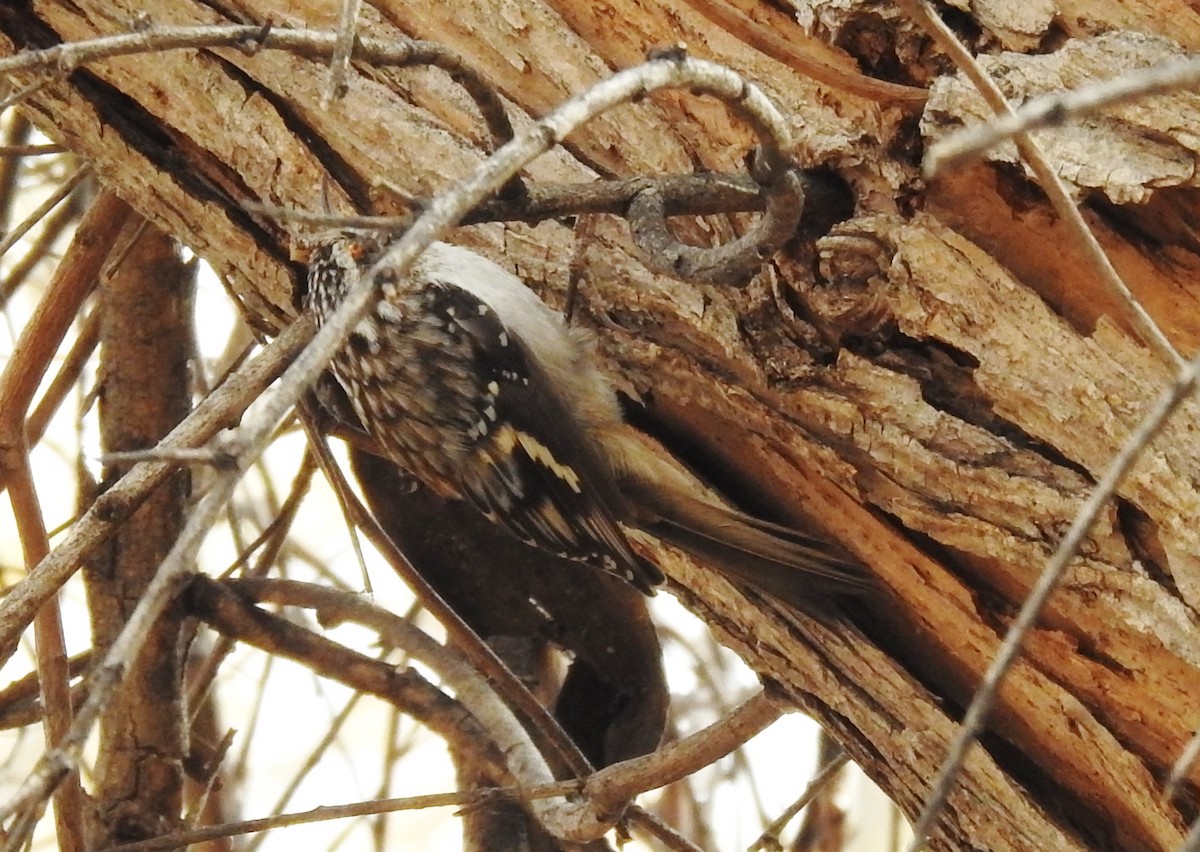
{"x":468,"y":381}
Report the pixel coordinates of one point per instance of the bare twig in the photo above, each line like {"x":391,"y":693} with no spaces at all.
{"x":54,"y":226}
{"x":339,"y":63}
{"x":1182,"y":768}
{"x":1056,"y":192}
{"x":214,"y":456}
{"x":984,"y":698}
{"x":54,"y":678}
{"x":219,"y":409}
{"x":352,"y":510}
{"x":770,"y":836}
{"x":611,"y":786}
{"x":660,"y":830}
{"x":463,"y":799}
{"x":68,"y":374}
{"x":58,"y":763}
{"x":30,"y":150}
{"x":1057,"y":108}
{"x":57,"y":197}
{"x":15,"y":131}
{"x":681,"y":758}
{"x":19,"y":704}
{"x":64,"y":58}
{"x":14,"y":98}
{"x":271,"y":541}
{"x":733,"y":263}
{"x":472,"y":690}
{"x":1191,"y":843}
{"x":40,"y":338}
{"x":332,"y":729}
{"x":76,"y":276}
{"x":682,"y":195}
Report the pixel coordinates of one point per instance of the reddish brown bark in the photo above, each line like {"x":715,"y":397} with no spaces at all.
{"x":937,"y":384}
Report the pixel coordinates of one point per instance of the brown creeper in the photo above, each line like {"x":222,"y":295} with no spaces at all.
{"x":475,"y":386}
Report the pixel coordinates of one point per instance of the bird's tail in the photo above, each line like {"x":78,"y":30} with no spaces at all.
{"x":798,"y":569}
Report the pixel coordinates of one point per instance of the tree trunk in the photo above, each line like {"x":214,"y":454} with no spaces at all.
{"x":937,"y":383}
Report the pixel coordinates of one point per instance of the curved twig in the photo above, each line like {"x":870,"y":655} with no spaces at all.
{"x":442,"y":214}
{"x":64,"y":58}
{"x":733,"y":263}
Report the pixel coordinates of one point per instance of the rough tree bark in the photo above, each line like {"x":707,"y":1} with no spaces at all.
{"x":936,"y":384}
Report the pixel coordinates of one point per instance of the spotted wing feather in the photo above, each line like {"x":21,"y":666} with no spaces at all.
{"x":520,"y":469}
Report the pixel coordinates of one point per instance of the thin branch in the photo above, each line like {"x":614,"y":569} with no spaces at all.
{"x":683,"y":195}
{"x":62,"y":59}
{"x":69,"y":371}
{"x":352,"y":509}
{"x":1182,"y":768}
{"x":666,"y":834}
{"x":211,"y":456}
{"x":14,"y":98}
{"x":339,"y":63}
{"x":332,"y":730}
{"x":473,"y":691}
{"x":733,"y":263}
{"x":271,"y":541}
{"x":769,"y":839}
{"x":461,"y":799}
{"x":54,"y":677}
{"x":609,"y":787}
{"x":53,"y":200}
{"x":14,"y":133}
{"x":981,"y":703}
{"x":1060,"y":199}
{"x":19,"y":704}
{"x":224,"y":406}
{"x":54,"y":226}
{"x":1191,"y":843}
{"x":209,"y":797}
{"x":58,"y":763}
{"x":1057,"y":108}
{"x":389,"y":757}
{"x":40,"y":338}
{"x":42,"y":335}
{"x":31,"y":150}
{"x":681,"y":758}
{"x":230,"y":607}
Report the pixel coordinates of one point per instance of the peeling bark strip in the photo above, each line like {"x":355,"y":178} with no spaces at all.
{"x":936,"y":384}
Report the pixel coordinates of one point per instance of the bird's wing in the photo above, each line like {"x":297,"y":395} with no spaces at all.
{"x":527,"y":466}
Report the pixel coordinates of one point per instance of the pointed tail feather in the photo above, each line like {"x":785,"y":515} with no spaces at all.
{"x":782,"y":562}
{"x":774,"y":559}
{"x":661,"y":498}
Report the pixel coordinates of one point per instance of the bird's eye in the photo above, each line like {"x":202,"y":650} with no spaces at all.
{"x":358,"y":250}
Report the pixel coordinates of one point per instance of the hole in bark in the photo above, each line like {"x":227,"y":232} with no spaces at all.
{"x":1141,"y":534}
{"x":946,"y":378}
